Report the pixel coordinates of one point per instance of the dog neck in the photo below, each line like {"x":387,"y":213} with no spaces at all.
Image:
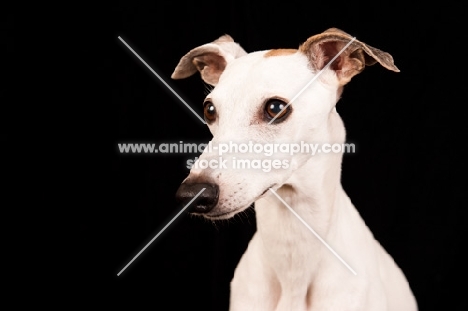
{"x":313,"y":188}
{"x":315,"y":193}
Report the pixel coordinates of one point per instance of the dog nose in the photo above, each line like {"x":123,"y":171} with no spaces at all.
{"x":204,"y":202}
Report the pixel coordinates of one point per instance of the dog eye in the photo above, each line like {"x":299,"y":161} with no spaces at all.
{"x":209,"y":111}
{"x":274,"y":108}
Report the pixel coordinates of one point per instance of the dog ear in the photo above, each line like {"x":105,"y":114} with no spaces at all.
{"x":321,"y":48}
{"x":209,"y":59}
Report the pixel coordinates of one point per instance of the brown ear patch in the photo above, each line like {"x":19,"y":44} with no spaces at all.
{"x":279,"y":52}
{"x":209,"y":59}
{"x":321,"y":48}
{"x":210,"y":66}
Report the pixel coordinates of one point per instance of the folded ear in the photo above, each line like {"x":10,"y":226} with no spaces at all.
{"x":321,"y":48}
{"x":209,"y":59}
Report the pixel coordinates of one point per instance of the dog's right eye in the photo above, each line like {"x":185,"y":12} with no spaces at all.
{"x":276,"y":109}
{"x":209,"y":111}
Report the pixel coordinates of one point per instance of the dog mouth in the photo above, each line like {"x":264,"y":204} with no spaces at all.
{"x":273,"y":186}
{"x":263,"y":193}
{"x":226,"y":215}
{"x":232,"y":213}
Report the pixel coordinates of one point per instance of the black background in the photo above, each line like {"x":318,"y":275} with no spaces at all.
{"x":406,"y":179}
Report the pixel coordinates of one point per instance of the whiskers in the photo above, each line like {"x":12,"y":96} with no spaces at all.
{"x":207,"y":88}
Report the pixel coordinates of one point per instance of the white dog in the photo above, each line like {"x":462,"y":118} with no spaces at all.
{"x":285,"y":267}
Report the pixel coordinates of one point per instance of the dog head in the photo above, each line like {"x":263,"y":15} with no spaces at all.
{"x":271,"y":98}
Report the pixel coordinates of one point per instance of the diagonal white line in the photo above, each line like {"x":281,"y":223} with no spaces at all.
{"x":313,"y":79}
{"x":313,"y":231}
{"x":161,"y":79}
{"x":162,"y":230}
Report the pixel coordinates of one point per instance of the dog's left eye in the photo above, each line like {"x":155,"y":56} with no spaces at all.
{"x":275,"y":108}
{"x":209,"y":111}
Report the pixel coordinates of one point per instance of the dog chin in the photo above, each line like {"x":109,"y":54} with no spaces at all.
{"x":221,"y":215}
